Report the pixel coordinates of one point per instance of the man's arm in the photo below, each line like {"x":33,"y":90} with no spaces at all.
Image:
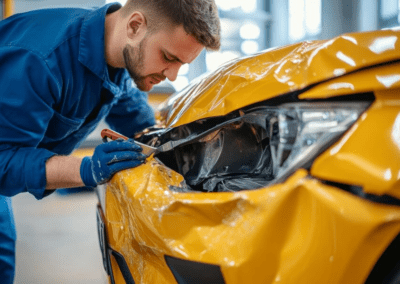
{"x":63,"y":172}
{"x":27,"y":96}
{"x":108,"y":158}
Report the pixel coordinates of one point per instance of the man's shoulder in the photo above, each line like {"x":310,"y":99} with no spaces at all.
{"x":42,"y":30}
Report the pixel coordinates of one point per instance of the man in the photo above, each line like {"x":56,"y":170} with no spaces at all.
{"x":63,"y":70}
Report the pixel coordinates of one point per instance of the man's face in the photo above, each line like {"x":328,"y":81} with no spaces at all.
{"x":134,"y":62}
{"x":159,"y":56}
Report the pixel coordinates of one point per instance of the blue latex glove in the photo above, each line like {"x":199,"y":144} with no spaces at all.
{"x":109,"y":158}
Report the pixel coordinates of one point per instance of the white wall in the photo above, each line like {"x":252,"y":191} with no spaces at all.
{"x":28,"y":5}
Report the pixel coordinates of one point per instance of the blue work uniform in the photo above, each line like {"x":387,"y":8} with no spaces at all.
{"x":55,"y":86}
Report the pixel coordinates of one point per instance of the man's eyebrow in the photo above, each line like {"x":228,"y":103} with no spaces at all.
{"x":174,"y":57}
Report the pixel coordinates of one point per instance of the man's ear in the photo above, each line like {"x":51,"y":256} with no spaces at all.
{"x":136,"y":26}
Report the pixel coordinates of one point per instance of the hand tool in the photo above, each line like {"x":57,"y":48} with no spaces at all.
{"x":113,"y":135}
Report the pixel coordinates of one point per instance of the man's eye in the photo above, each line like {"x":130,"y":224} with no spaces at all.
{"x":168,"y":59}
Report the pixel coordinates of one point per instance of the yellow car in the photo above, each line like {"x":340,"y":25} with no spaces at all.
{"x":280,"y":167}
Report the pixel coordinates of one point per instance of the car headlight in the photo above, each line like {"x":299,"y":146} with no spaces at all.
{"x":299,"y":132}
{"x":259,"y":146}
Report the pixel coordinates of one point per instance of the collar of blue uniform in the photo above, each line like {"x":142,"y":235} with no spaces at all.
{"x":91,"y":43}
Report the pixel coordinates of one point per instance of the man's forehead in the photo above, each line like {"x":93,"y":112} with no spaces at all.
{"x":180,"y":45}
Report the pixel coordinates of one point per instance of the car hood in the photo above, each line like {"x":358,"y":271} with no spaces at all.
{"x":278,"y":71}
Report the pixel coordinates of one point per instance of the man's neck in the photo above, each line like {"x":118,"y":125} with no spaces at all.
{"x":113,"y":40}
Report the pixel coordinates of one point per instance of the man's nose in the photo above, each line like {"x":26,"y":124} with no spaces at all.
{"x":172,"y":72}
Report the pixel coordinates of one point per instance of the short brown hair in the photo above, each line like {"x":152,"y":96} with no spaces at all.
{"x":199,"y":17}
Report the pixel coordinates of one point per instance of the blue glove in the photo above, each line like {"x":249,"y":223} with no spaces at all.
{"x":109,"y":158}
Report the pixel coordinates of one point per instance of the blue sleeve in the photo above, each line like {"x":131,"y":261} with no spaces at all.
{"x":27,"y":96}
{"x":132,"y":113}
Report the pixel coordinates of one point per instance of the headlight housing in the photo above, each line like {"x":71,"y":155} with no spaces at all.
{"x":299,"y":132}
{"x":261,"y":146}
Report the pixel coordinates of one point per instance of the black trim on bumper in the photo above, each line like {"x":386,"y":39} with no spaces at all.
{"x":123,"y":266}
{"x":106,"y":252}
{"x":387,"y":269}
{"x":192,"y":272}
{"x":357,"y":190}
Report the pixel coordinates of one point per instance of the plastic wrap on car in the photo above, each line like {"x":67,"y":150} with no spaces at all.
{"x":304,"y":229}
{"x":279,"y":71}
{"x":301,"y":231}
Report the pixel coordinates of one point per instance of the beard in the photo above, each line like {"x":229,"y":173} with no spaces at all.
{"x":134,"y":58}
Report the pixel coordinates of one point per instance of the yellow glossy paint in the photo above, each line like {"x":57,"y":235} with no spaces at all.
{"x":300,"y":231}
{"x":368,"y":80}
{"x":279,"y":71}
{"x":369,"y":154}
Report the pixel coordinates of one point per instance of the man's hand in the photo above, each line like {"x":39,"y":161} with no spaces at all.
{"x":109,"y":158}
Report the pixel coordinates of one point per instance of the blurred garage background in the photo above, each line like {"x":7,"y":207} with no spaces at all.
{"x":57,"y":236}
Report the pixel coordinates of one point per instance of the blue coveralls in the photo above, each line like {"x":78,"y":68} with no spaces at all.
{"x":55,"y":87}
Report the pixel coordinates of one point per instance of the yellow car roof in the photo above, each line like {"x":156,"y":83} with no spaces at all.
{"x":278,"y":71}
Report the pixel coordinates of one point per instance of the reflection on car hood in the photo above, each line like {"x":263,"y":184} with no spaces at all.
{"x":278,"y":71}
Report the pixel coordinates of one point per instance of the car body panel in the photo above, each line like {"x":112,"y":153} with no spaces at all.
{"x":269,"y":74}
{"x":361,"y":158}
{"x":300,"y":231}
{"x":373,"y":79}
{"x":308,"y":228}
